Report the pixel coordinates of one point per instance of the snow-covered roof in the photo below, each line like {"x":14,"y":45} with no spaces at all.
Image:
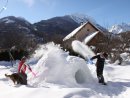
{"x":88,"y":38}
{"x":74,"y":32}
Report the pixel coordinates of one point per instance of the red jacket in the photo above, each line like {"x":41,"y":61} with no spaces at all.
{"x":22,"y":67}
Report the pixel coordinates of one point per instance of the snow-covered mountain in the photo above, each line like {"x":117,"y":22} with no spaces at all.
{"x":116,"y":29}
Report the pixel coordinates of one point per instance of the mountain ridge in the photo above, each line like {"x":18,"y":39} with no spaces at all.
{"x":53,"y":28}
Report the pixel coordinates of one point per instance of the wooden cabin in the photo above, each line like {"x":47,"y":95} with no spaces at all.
{"x":83,"y":31}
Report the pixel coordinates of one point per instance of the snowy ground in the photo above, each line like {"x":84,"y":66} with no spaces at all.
{"x":60,"y":75}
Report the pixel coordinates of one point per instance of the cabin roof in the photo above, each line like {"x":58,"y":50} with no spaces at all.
{"x":75,"y":31}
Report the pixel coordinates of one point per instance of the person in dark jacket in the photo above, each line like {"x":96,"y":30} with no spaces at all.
{"x":100,"y":66}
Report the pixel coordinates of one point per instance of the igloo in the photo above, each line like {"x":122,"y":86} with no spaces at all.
{"x":58,"y":67}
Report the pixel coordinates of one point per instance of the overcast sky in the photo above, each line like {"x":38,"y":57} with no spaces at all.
{"x":105,"y":12}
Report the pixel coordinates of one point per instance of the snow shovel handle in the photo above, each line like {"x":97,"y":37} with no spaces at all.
{"x":33,"y":73}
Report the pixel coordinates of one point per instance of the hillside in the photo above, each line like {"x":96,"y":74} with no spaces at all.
{"x":16,"y":31}
{"x":16,"y":24}
{"x":54,"y":27}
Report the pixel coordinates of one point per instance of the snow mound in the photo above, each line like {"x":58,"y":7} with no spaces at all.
{"x":57,"y":67}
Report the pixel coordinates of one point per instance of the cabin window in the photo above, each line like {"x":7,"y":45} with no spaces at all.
{"x":88,"y":30}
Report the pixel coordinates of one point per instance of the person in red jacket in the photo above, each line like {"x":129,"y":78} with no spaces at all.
{"x":22,"y":67}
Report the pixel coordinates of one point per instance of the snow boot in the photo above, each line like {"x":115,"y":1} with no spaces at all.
{"x":104,"y":83}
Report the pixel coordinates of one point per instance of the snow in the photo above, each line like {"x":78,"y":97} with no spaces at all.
{"x":74,"y":32}
{"x":54,"y":60}
{"x":6,"y":20}
{"x":60,"y":75}
{"x":82,"y":49}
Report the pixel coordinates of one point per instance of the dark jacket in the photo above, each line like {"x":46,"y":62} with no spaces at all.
{"x":99,"y":63}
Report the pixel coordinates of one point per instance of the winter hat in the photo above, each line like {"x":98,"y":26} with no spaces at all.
{"x":23,"y":58}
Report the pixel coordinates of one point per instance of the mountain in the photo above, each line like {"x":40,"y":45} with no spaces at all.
{"x":16,"y":24}
{"x":59,"y":27}
{"x":117,"y":29}
{"x":16,"y":31}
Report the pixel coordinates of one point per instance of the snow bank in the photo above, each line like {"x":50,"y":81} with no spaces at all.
{"x":56,"y":66}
